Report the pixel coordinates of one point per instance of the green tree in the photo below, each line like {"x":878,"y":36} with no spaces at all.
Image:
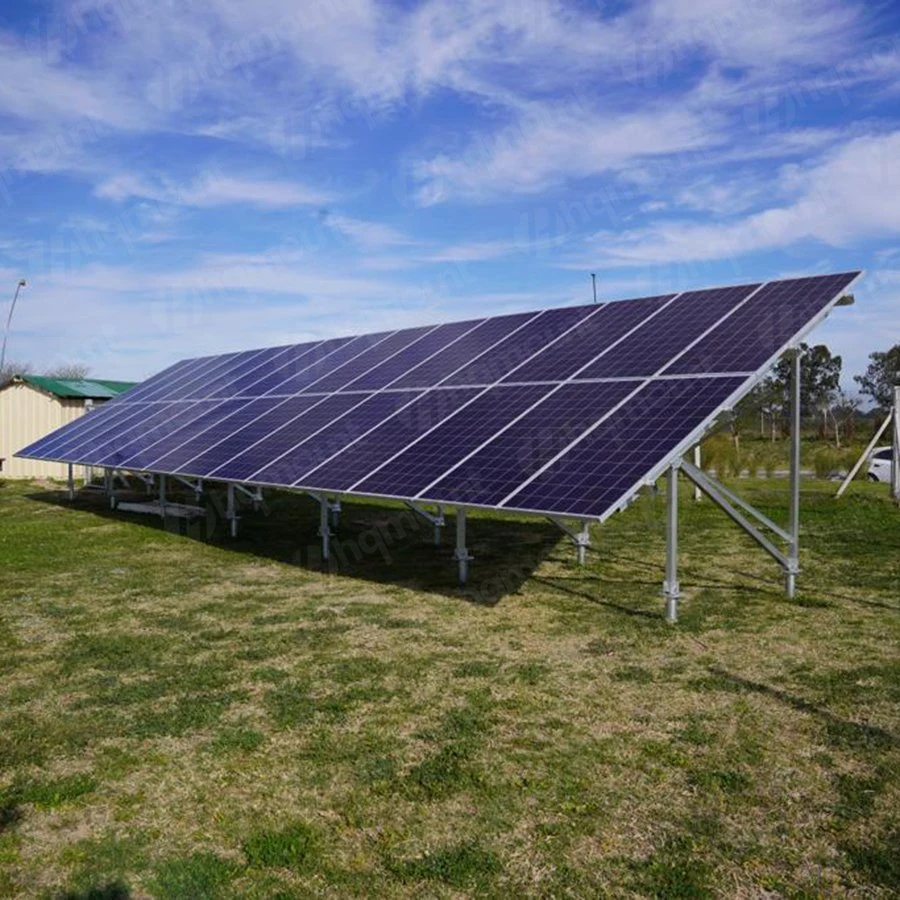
{"x":820,"y":376}
{"x":880,"y":377}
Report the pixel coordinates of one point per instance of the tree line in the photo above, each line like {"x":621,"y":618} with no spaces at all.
{"x":72,"y":371}
{"x":823,"y":402}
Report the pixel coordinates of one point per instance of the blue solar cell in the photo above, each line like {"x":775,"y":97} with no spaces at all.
{"x":297,"y":361}
{"x":499,"y":467}
{"x":763,"y":325}
{"x":173,"y":373}
{"x":428,"y":459}
{"x":206,"y":369}
{"x":267,"y":432}
{"x":308,"y":453}
{"x":95,"y":431}
{"x":518,"y":347}
{"x":390,"y":370}
{"x":75,"y":431}
{"x":350,"y":350}
{"x":222,"y":445}
{"x":148,"y":441}
{"x":390,"y":437}
{"x":280,"y":431}
{"x":368,"y":360}
{"x":598,"y":331}
{"x":664,"y":336}
{"x":184,"y":450}
{"x":151,"y":417}
{"x":463,"y":351}
{"x":257,"y":364}
{"x":613,"y":459}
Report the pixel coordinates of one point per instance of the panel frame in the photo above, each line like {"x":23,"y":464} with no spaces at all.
{"x":690,"y":439}
{"x":697,"y":434}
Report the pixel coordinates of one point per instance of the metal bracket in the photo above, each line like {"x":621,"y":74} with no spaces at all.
{"x":334,"y":510}
{"x":436,"y":519}
{"x":195,"y":486}
{"x":324,"y":523}
{"x":148,"y":480}
{"x":255,"y":494}
{"x":581,"y":538}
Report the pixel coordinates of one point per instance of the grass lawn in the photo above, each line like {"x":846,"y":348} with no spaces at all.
{"x":193,"y":718}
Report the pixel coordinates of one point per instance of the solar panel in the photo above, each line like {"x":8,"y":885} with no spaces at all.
{"x":559,"y":411}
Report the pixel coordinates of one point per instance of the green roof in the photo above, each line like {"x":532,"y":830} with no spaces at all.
{"x":85,"y":388}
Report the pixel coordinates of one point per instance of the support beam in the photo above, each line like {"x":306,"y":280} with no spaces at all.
{"x":70,"y":481}
{"x":698,"y":462}
{"x":109,"y":487}
{"x":793,"y":566}
{"x":461,"y":554}
{"x":324,"y":526}
{"x":670,"y":585}
{"x":162,"y":496}
{"x":715,"y":492}
{"x":584,"y":541}
{"x":254,"y":494}
{"x":195,"y":486}
{"x":231,"y":510}
{"x":737,"y":501}
{"x":895,"y":443}
{"x":334,"y":508}
{"x":892,"y":417}
{"x":436,"y":518}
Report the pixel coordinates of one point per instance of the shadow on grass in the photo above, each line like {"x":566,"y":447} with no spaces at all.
{"x":840,"y":732}
{"x":10,"y":816}
{"x":556,"y":584}
{"x":377,"y":542}
{"x":115,"y":890}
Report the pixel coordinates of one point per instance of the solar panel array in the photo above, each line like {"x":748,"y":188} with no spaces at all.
{"x":560,"y":411}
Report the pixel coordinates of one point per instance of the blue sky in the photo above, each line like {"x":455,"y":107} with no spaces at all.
{"x":187,"y":178}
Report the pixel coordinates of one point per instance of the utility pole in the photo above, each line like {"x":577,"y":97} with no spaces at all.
{"x":12,"y":309}
{"x":594,"y":285}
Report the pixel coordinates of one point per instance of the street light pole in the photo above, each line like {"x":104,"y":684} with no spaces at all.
{"x":12,"y":309}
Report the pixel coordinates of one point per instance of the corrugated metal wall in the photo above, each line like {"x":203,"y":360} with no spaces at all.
{"x":27,"y":414}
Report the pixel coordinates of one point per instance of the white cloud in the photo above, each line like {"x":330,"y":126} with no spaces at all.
{"x":550,"y":144}
{"x":368,"y":234}
{"x":133,"y":321}
{"x":215,"y":190}
{"x":757,"y":35}
{"x":850,"y":195}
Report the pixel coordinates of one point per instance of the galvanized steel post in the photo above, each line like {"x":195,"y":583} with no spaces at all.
{"x":793,"y":566}
{"x":670,"y":585}
{"x":461,"y":554}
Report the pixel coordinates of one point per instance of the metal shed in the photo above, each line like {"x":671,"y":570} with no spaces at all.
{"x":34,"y":405}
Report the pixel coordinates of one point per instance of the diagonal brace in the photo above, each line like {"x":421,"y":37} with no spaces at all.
{"x":713,"y":490}
{"x":436,"y":519}
{"x":737,"y":500}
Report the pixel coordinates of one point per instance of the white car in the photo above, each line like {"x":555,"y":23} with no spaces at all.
{"x":880,"y":465}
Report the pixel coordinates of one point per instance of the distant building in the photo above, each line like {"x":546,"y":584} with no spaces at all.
{"x":33,"y":405}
